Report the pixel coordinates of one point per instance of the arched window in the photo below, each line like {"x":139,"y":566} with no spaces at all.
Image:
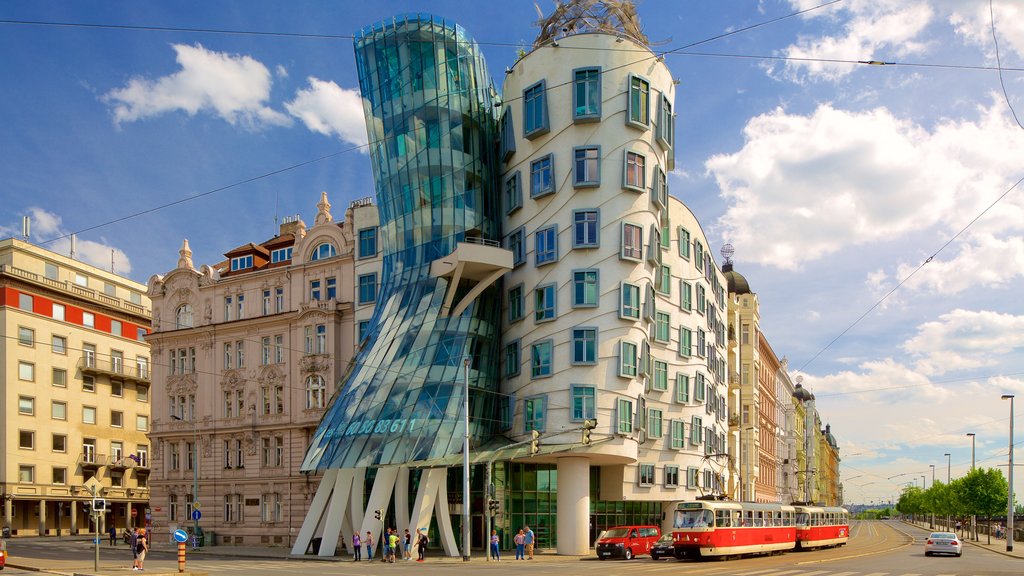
{"x":325,"y":250}
{"x":316,"y":392}
{"x":183,"y":316}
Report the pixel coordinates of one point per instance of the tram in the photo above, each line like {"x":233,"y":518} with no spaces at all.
{"x":821,"y":526}
{"x":704,"y":529}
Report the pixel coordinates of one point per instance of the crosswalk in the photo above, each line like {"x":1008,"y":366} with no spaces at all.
{"x":776,"y":572}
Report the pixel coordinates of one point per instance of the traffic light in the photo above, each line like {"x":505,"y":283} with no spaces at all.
{"x":492,"y":506}
{"x":535,"y":443}
{"x":99,"y":505}
{"x":378,"y":514}
{"x":588,"y":425}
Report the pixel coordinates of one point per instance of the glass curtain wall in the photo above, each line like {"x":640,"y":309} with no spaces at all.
{"x":430,"y":118}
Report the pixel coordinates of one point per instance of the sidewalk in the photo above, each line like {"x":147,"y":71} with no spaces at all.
{"x":998,"y":545}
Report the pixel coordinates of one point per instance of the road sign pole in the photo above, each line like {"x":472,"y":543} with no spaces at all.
{"x":181,"y":556}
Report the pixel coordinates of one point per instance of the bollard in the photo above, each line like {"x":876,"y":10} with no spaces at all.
{"x":181,"y":556}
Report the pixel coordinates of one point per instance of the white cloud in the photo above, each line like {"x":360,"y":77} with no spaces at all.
{"x":965,"y":339}
{"x":804,"y":187}
{"x":46,"y":226}
{"x":329,"y":109}
{"x":233,"y":87}
{"x":971,"y":20}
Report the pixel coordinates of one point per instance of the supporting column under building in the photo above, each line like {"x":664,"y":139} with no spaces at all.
{"x":574,"y":506}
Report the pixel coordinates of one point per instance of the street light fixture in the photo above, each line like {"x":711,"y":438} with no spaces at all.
{"x":1009,"y":513}
{"x":973,"y":520}
{"x":948,"y":466}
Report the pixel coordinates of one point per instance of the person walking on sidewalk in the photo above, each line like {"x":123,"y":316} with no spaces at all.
{"x":141,"y":547}
{"x":494,"y":545}
{"x":369,"y":546}
{"x":357,"y":546}
{"x":530,"y":540}
{"x":520,"y":540}
{"x":132,"y":542}
{"x":113,"y":536}
{"x":396,"y":542}
{"x":407,"y":545}
{"x":421,"y":544}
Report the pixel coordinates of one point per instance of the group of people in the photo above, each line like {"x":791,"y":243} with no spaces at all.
{"x":391,"y":545}
{"x":524,"y":542}
{"x":138,"y":542}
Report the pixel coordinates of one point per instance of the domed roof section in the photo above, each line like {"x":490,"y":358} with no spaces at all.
{"x":829,"y":437}
{"x":737,"y":283}
{"x":570,"y":17}
{"x":802,"y":394}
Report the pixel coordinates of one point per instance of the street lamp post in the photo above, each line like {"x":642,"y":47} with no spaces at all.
{"x":1009,"y":512}
{"x":974,"y":526}
{"x":931,"y":526}
{"x":465,"y":462}
{"x":948,"y":466}
{"x":195,"y":477}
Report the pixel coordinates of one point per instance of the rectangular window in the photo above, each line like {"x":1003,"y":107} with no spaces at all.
{"x":701,"y":299}
{"x":506,"y":135}
{"x":533,"y":413}
{"x":646,"y":475}
{"x":671,"y":476}
{"x":240,"y":300}
{"x":632,"y":242}
{"x":665,"y":280}
{"x":58,"y":312}
{"x":368,"y":242}
{"x":685,"y":342}
{"x":540,"y":359}
{"x":88,"y":383}
{"x":586,"y":166}
{"x":515,"y":303}
{"x":60,"y":377}
{"x":515,"y":242}
{"x":678,"y":431}
{"x":321,"y":339}
{"x":240,"y":354}
{"x":60,"y":476}
{"x":544,"y":305}
{"x":513,"y":193}
{"x":696,"y":430}
{"x":314,"y":290}
{"x":26,"y":474}
{"x":546,"y":245}
{"x":228,"y":355}
{"x":586,"y":94}
{"x":686,"y":296}
{"x":279,"y":300}
{"x":654,"y":247}
{"x":116,"y":419}
{"x":635,"y":172}
{"x":512,"y":359}
{"x":88,"y":319}
{"x":26,"y":371}
{"x":698,"y":256}
{"x":699,"y":386}
{"x":228,"y":307}
{"x":25,"y":302}
{"x":665,"y":128}
{"x":279,"y":349}
{"x":368,"y":288}
{"x":645,"y":358}
{"x":88,"y":414}
{"x":586,"y":224}
{"x":281,"y":255}
{"x":659,"y":192}
{"x":81,"y":279}
{"x":661,"y":327}
{"x":332,"y":288}
{"x":109,"y":289}
{"x":682,"y":388}
{"x":660,"y":377}
{"x":265,"y":351}
{"x":654,"y":423}
{"x":51,"y":271}
{"x":142,"y":423}
{"x":26,"y":405}
{"x":584,"y":402}
{"x":535,"y":110}
{"x":624,"y":416}
{"x":542,"y":176}
{"x":639,"y":112}
{"x":629,"y":308}
{"x":584,"y":345}
{"x":627,"y":359}
{"x":26,"y":336}
{"x":241,"y":263}
{"x":585,"y":288}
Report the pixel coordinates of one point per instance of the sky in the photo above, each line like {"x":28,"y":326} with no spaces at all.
{"x":835,"y":182}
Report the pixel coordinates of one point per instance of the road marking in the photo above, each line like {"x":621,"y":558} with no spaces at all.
{"x":877,"y":574}
{"x":844,"y":573}
{"x":753,"y":572}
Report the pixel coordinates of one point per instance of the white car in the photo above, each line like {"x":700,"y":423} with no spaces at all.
{"x":943,"y":543}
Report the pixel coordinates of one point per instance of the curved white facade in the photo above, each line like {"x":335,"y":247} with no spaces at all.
{"x":586,"y":179}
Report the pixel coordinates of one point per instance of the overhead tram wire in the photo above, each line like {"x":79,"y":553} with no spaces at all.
{"x":999,"y":64}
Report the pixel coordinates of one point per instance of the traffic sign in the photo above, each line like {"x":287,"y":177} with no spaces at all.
{"x":196,"y":514}
{"x":134,"y":512}
{"x":195,"y":505}
{"x":180,"y":536}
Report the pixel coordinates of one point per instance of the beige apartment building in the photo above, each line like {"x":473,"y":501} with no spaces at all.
{"x":75,"y":393}
{"x":247,"y":354}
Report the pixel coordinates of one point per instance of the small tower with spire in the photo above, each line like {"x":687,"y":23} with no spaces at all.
{"x":323,"y":211}
{"x":185,"y":256}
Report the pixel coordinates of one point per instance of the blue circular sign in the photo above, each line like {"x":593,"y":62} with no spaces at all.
{"x":180,"y":536}
{"x":196,"y":514}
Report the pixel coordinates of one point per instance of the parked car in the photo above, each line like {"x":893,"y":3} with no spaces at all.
{"x":665,"y":547}
{"x":627,"y":541}
{"x":943,"y":543}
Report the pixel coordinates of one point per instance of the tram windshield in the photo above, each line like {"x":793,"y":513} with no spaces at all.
{"x":803,"y":519}
{"x":617,"y":533}
{"x":694,"y":519}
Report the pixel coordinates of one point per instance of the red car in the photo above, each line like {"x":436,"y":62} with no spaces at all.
{"x":627,"y":541}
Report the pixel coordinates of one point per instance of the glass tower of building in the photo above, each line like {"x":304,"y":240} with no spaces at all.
{"x":428,"y":101}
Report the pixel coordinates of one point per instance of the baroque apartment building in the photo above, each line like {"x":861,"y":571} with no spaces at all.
{"x":246,"y":356}
{"x":75,"y":393}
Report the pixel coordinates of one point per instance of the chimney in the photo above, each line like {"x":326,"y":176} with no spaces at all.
{"x":292,"y":225}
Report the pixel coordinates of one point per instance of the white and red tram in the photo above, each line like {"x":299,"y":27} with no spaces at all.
{"x":820,"y":526}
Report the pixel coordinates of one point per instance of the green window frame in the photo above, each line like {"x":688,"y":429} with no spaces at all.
{"x":629,"y":301}
{"x":512,"y":358}
{"x":638,"y":113}
{"x":586,"y":94}
{"x":654,"y":423}
{"x":541,"y":357}
{"x":584,"y":402}
{"x":584,"y":345}
{"x":627,"y":359}
{"x":659,"y":381}
{"x":684,"y":243}
{"x":677,"y":428}
{"x":686,"y":296}
{"x":534,"y":413}
{"x":662,"y":329}
{"x":624,"y":416}
{"x":585,"y":288}
{"x":682,"y":388}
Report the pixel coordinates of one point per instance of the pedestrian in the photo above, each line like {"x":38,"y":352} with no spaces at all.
{"x":141,"y":547}
{"x":520,"y":540}
{"x":357,"y":546}
{"x":385,"y":542}
{"x":530,"y":541}
{"x":113,"y":536}
{"x":407,"y":545}
{"x":132,"y":542}
{"x":494,"y":545}
{"x":421,"y":544}
{"x":369,"y":546}
{"x":396,"y":542}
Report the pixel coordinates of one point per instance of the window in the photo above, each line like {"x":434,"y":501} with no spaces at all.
{"x":141,"y":393}
{"x":639,"y":107}
{"x":540,"y":359}
{"x":678,"y":431}
{"x":654,"y":423}
{"x":368,"y":242}
{"x":586,"y":94}
{"x":512,"y":359}
{"x":645,"y":358}
{"x":175,"y":455}
{"x":266,"y":302}
{"x":542,"y":177}
{"x":665,"y":280}
{"x":26,"y":405}
{"x":632,"y":242}
{"x":58,"y":312}
{"x":314,"y":290}
{"x":368,"y":288}
{"x":241,"y":263}
{"x":686,"y":296}
{"x":59,"y":410}
{"x":586,"y":166}
{"x":89,"y":320}
{"x":116,"y":419}
{"x":671,"y":476}
{"x":546,"y":245}
{"x":271,"y":508}
{"x":233,"y":508}
{"x":281,"y":255}
{"x":26,"y":336}
{"x":88,"y":383}
{"x":586,"y":224}
{"x":533,"y":413}
{"x":115,"y":327}
{"x":228,"y":355}
{"x":516,"y":244}
{"x":279,"y":349}
{"x":584,"y":345}
{"x":279,"y":300}
{"x":81,"y":279}
{"x":325,"y":250}
{"x":25,"y":302}
{"x":584,"y":402}
{"x":635,"y":173}
{"x":682,"y":388}
{"x":116,"y":361}
{"x":654,"y":247}
{"x":630,"y":301}
{"x":142,"y":423}
{"x":699,"y":388}
{"x":182,"y":317}
{"x":535,"y":110}
{"x":60,"y":476}
{"x":513,"y":193}
{"x":60,"y":377}
{"x":51,"y":271}
{"x":660,"y":377}
{"x":701,"y":299}
{"x":515,"y":303}
{"x":685,"y":342}
{"x":172,"y":507}
{"x":26,"y":371}
{"x":316,"y":392}
{"x":665,"y":128}
{"x":59,"y":442}
{"x":646,"y":474}
{"x":544,"y":308}
{"x":696,"y":430}
{"x":585,"y":288}
{"x":698,"y":256}
{"x":627,"y":359}
{"x":661,"y":327}
{"x":624,"y":416}
{"x":26,"y":474}
{"x":506,"y":135}
{"x":88,"y":414}
{"x":228,"y":308}
{"x":321,"y":339}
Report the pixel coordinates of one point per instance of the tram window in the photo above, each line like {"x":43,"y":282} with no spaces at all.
{"x":723,"y":519}
{"x":802,"y":519}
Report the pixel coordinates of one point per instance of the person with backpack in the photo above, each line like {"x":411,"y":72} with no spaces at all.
{"x":421,"y":544}
{"x":357,"y":546}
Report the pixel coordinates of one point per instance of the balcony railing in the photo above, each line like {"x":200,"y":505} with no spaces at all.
{"x":92,"y":460}
{"x":77,"y":290}
{"x":90,"y":363}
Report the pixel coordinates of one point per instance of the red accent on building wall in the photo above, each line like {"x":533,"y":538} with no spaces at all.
{"x":72,"y":314}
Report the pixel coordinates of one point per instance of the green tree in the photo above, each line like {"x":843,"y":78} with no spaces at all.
{"x":983,"y":493}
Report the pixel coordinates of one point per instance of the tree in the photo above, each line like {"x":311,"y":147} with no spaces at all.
{"x":983,"y":492}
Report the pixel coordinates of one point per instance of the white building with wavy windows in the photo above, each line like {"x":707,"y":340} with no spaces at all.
{"x":615,"y":309}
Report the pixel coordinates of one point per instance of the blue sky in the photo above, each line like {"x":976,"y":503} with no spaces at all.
{"x":833,"y":181}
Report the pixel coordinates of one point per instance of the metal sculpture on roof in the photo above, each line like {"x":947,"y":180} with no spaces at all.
{"x":578,"y":16}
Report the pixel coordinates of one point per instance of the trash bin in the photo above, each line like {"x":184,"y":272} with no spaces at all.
{"x":5,"y":532}
{"x":315,"y":544}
